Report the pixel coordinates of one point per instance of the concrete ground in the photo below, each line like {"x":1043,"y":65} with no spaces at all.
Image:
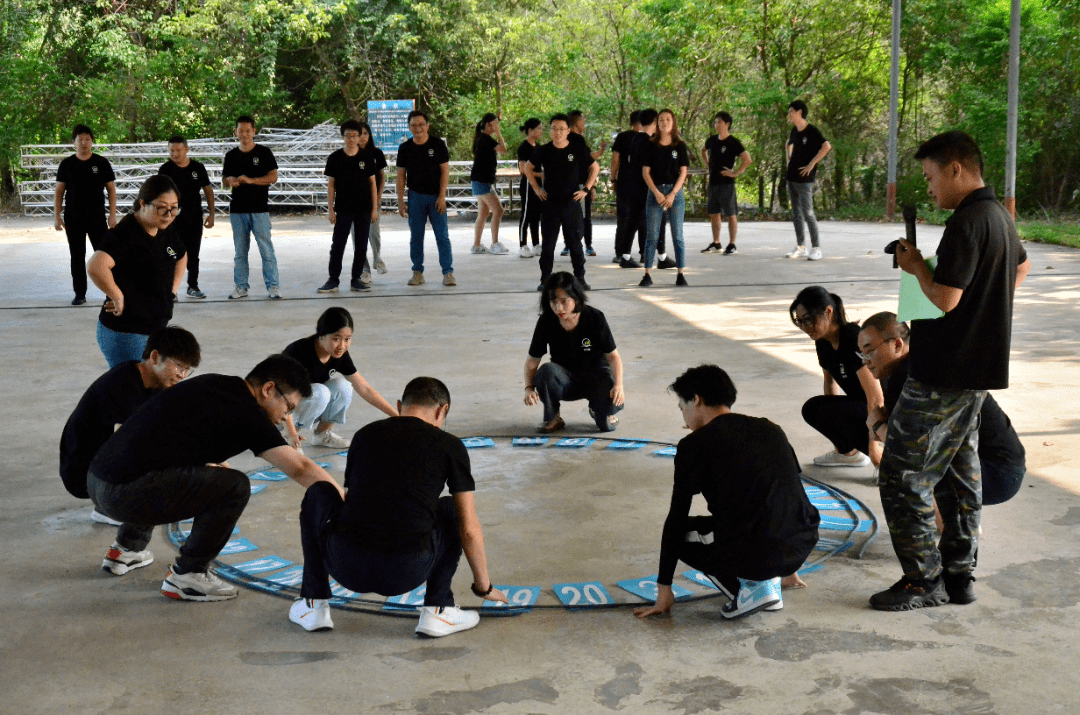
{"x":75,"y":639}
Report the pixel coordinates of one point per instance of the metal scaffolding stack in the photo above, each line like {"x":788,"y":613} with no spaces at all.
{"x":300,"y":153}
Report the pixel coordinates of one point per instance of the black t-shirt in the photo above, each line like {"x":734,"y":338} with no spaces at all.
{"x":423,"y":164}
{"x":998,"y":441}
{"x":190,"y":180}
{"x":723,"y":153}
{"x":352,"y":181}
{"x":378,"y":157}
{"x":621,"y":146}
{"x":561,"y":167}
{"x":748,"y":474}
{"x":640,"y":146}
{"x":84,"y":183}
{"x":206,"y":419}
{"x":254,"y":164}
{"x":303,"y":351}
{"x":109,"y":401}
{"x":395,"y":473}
{"x":844,"y":363}
{"x":805,"y":146}
{"x":484,"y":160}
{"x":582,"y":348}
{"x":664,"y":162}
{"x":968,"y":347}
{"x":144,"y":272}
{"x":580,"y":145}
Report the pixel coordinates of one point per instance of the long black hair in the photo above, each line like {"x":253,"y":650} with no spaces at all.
{"x":570,"y":284}
{"x":814,"y":300}
{"x":333,"y":320}
{"x":484,"y":121}
{"x":530,"y":124}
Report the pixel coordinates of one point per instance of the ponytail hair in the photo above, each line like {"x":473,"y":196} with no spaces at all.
{"x":530,"y":124}
{"x":484,"y":121}
{"x":815,"y":299}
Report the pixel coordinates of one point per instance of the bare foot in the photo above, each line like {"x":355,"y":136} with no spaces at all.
{"x":792,"y":582}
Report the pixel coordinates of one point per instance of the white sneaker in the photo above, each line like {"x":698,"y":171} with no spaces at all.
{"x":525,"y":252}
{"x":238,"y":293}
{"x":365,"y":277}
{"x":815,"y":254}
{"x":274,"y":293}
{"x":100,"y":518}
{"x":498,"y":249}
{"x":380,"y":266}
{"x":196,"y":587}
{"x":312,"y":615}
{"x":480,"y":249}
{"x":798,"y":252}
{"x":537,"y":250}
{"x":329,"y":439}
{"x":439,"y":621}
{"x":753,"y":596}
{"x":119,"y":561}
{"x":835,"y":459}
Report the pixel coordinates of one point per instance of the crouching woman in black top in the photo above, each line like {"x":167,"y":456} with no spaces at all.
{"x":585,"y":364}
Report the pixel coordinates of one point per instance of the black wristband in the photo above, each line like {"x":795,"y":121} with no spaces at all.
{"x":481,"y":594}
{"x":878,"y":425}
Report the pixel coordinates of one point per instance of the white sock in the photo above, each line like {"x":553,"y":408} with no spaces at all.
{"x":661,"y":256}
{"x":626,"y":256}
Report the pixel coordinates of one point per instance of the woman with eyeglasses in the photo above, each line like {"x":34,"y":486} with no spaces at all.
{"x":840,"y":417}
{"x":139,"y":267}
{"x":333,"y":375}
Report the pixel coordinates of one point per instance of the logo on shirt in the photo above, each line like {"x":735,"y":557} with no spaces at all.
{"x":569,"y":157}
{"x":431,"y":152}
{"x":843,"y":371}
{"x":195,"y":175}
{"x":93,"y":169}
{"x":332,"y":372}
{"x":804,"y":140}
{"x":723,"y":149}
{"x":674,"y":154}
{"x":255,"y":160}
{"x":171,"y":252}
{"x":586,"y":345}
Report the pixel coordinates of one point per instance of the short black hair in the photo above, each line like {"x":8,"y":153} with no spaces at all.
{"x":350,"y":124}
{"x":244,"y":119}
{"x":635,"y":117}
{"x":948,"y":147}
{"x":174,"y":342}
{"x":799,"y":106}
{"x":425,"y":392}
{"x":887,"y":325}
{"x":177,"y":139}
{"x":569,"y":283}
{"x":333,"y":320}
{"x":155,"y":186}
{"x":708,"y":382}
{"x":81,"y":129}
{"x":560,"y":117}
{"x":418,"y":113}
{"x":647,"y":117}
{"x":575,"y":114}
{"x":814,"y":300}
{"x":530,"y":124}
{"x":724,"y":117}
{"x":285,"y":372}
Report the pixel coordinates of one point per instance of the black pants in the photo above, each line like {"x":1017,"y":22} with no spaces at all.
{"x":555,"y":384}
{"x":565,"y":214}
{"x":78,"y":228}
{"x":345,"y":223}
{"x":530,"y":214}
{"x":727,"y":561}
{"x":841,"y":419}
{"x":588,"y":218}
{"x":214,"y":497}
{"x":630,"y":219}
{"x":329,"y":553}
{"x":190,"y":231}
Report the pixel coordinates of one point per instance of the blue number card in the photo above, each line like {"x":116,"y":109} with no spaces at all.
{"x":237,"y":546}
{"x":291,"y":576}
{"x":646,"y":588}
{"x":407,"y":601}
{"x":665,"y":452}
{"x":575,"y":442}
{"x":266,"y":563}
{"x":628,"y":444}
{"x":478,"y":442}
{"x":582,"y":595}
{"x":269,"y":476}
{"x":529,"y":441}
{"x":520,"y":598}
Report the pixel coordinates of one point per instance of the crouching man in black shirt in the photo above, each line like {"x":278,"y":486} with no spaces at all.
{"x":391,"y":531}
{"x":166,"y":463}
{"x":761,"y":525}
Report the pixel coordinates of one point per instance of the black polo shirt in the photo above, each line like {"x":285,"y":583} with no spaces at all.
{"x":804,"y":147}
{"x":254,"y":164}
{"x":190,"y":180}
{"x":84,"y":184}
{"x":577,"y":350}
{"x":423,"y":164}
{"x":144,"y":269}
{"x":723,"y":153}
{"x":561,"y":168}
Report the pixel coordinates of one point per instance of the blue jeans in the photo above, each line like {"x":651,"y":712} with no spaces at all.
{"x":554,"y":383}
{"x":327,"y":553}
{"x":328,"y":403}
{"x":421,"y":210}
{"x":119,"y":347}
{"x":802,"y":210}
{"x":654,"y":214}
{"x":243,"y":225}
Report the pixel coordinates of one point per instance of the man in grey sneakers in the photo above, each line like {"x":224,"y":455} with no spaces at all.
{"x":761,"y":525}
{"x":931,"y":448}
{"x":249,"y":170}
{"x":806,"y":147}
{"x":170,"y":355}
{"x":166,"y":463}
{"x":392,"y":531}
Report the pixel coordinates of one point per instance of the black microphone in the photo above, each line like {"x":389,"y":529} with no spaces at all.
{"x":909,"y":222}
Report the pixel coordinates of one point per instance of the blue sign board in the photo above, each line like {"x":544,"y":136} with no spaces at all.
{"x":389,"y":120}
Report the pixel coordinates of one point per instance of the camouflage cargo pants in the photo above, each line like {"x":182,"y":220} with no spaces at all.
{"x":933,"y":441}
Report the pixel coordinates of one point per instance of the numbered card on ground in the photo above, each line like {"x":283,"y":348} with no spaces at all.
{"x":324,"y":465}
{"x":520,"y":597}
{"x":834,"y":545}
{"x":628,"y":444}
{"x":575,"y":442}
{"x":665,"y":452}
{"x":646,"y":588}
{"x":700,"y":579}
{"x":831,"y":504}
{"x":344,"y":453}
{"x":269,"y":476}
{"x":342,"y":595}
{"x":238,"y":546}
{"x":529,"y":441}
{"x":292,"y":576}
{"x":407,"y":601}
{"x":478,"y":442}
{"x":266,"y":563}
{"x":812,"y":491}
{"x":256,"y":488}
{"x":185,"y":533}
{"x":837,"y":523}
{"x":582,"y":595}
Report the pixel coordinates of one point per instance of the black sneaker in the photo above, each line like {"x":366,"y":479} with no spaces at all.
{"x":908,"y":594}
{"x":584,"y":285}
{"x":359,"y":285}
{"x":667,"y":263}
{"x":175,"y":299}
{"x":646,"y":281}
{"x":959,"y":588}
{"x":195,"y":293}
{"x":680,"y":280}
{"x":712,"y":248}
{"x":78,"y":300}
{"x":730,"y":250}
{"x":329,"y":286}
{"x":628,"y":263}
{"x":565,"y":252}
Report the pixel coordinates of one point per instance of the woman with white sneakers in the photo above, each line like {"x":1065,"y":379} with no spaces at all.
{"x":487,"y":144}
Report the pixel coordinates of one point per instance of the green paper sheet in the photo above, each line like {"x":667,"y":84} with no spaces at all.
{"x":914,"y":305}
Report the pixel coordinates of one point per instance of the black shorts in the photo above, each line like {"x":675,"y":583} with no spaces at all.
{"x":722,"y":200}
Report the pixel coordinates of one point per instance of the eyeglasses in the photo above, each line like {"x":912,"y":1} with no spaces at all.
{"x":166,"y":210}
{"x":806,"y":321}
{"x":181,"y":369}
{"x":290,"y":407}
{"x":869,"y":354}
